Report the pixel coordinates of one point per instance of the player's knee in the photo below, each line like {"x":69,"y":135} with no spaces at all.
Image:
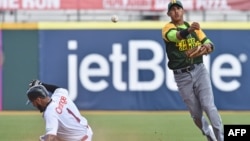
{"x":209,"y":108}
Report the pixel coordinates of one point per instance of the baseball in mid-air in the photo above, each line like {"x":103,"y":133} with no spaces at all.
{"x":114,"y":18}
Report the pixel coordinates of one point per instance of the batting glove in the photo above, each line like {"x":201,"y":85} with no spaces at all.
{"x":42,"y":138}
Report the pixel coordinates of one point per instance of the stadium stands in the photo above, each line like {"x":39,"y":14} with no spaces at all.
{"x":129,"y":15}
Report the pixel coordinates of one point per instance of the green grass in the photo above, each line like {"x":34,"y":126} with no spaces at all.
{"x":118,"y":126}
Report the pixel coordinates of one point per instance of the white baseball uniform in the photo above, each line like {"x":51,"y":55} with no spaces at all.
{"x":64,"y":120}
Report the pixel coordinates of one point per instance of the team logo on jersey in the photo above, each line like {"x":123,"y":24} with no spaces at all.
{"x":186,"y":44}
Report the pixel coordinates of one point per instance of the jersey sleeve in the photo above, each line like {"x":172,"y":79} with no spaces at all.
{"x":51,"y":123}
{"x":169,"y":33}
{"x":203,"y":38}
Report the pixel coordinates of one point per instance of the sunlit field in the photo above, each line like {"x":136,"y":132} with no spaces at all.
{"x":117,"y":125}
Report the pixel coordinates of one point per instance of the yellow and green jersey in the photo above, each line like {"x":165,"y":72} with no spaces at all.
{"x":176,"y":48}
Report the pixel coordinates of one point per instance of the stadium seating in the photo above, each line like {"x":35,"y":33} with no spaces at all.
{"x":104,"y":15}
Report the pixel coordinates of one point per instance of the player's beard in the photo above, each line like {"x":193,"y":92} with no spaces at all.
{"x":43,"y":108}
{"x":40,"y":108}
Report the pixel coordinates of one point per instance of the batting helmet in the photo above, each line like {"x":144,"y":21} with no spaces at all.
{"x":36,"y":91}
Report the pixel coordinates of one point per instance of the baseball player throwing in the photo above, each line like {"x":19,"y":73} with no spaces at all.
{"x":185,"y":46}
{"x":63,"y":120}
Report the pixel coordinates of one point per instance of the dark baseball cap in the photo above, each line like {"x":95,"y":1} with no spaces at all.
{"x":174,"y":2}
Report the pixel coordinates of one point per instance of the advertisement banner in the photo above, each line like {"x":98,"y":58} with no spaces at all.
{"x":117,"y":69}
{"x":218,"y":5}
{"x":157,"y":5}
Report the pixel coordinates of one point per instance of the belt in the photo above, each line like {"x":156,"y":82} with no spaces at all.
{"x":183,"y":70}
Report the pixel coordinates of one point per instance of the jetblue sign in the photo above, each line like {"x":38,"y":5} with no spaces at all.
{"x":118,"y":69}
{"x":115,"y":63}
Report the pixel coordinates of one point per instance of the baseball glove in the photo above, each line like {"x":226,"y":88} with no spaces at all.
{"x":198,"y":51}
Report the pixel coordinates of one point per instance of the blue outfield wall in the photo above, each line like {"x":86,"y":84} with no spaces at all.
{"x":124,"y":69}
